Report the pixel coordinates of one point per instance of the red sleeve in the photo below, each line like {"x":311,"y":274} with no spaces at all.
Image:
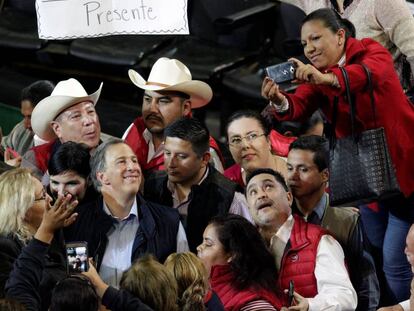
{"x":306,"y":99}
{"x":376,"y":58}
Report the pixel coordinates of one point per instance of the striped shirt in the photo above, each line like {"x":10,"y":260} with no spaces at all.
{"x":257,"y":305}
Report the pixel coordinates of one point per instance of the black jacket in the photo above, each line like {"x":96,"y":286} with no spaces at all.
{"x":156,"y":234}
{"x":54,"y":267}
{"x":27,"y":273}
{"x":211,"y":198}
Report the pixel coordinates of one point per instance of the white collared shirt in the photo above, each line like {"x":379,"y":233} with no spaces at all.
{"x":335,"y":291}
{"x":118,"y":252}
{"x":152,"y":153}
{"x":405,"y":305}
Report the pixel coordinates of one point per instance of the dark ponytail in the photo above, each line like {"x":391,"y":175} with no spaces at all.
{"x":332,"y":20}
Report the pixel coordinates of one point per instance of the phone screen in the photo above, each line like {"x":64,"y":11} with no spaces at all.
{"x":282,"y":72}
{"x":77,"y":257}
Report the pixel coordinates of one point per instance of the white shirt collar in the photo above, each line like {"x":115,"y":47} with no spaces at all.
{"x":133,"y":211}
{"x":342,"y":60}
{"x":152,"y":153}
{"x":284,"y":231}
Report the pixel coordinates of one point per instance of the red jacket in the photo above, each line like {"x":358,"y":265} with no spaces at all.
{"x":221,"y":280}
{"x":135,"y":139}
{"x":234,"y":174}
{"x":298,"y":263}
{"x":394,"y":112}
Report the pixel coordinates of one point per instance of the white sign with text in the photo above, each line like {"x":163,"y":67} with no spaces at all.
{"x":67,"y":19}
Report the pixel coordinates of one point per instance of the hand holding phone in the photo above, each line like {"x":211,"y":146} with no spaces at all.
{"x":77,"y":257}
{"x":283,"y":72}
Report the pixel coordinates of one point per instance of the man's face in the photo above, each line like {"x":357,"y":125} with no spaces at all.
{"x":79,"y":124}
{"x":268,"y":201}
{"x":303,"y":176}
{"x":160,"y":109}
{"x":409,"y":249}
{"x":122,"y":172}
{"x":68,"y":182}
{"x":26,"y":109}
{"x":182,"y":164}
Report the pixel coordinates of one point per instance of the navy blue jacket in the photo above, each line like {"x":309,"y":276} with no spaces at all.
{"x":156,"y":234}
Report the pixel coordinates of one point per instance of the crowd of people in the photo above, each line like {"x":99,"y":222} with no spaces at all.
{"x":167,"y":226}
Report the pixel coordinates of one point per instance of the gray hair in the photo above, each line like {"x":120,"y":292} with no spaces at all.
{"x":98,"y":160}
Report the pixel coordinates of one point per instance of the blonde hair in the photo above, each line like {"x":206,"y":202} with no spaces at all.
{"x":191,"y":277}
{"x":152,"y":283}
{"x":17,"y":195}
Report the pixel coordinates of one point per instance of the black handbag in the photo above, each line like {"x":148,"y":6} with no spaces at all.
{"x":361,"y":169}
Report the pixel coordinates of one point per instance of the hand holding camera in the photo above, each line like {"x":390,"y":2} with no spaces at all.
{"x":292,"y":71}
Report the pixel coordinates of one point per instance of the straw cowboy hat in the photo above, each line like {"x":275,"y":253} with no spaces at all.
{"x":67,"y":93}
{"x":172,"y":75}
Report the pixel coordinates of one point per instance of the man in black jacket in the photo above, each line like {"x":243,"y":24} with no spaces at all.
{"x":190,"y":184}
{"x":121,"y":226}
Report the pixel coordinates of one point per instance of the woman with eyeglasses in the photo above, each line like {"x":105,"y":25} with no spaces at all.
{"x":74,"y":292}
{"x":23,"y":201}
{"x":250,"y":146}
{"x":329,"y":43}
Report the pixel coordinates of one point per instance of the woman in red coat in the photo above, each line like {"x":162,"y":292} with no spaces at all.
{"x":328,"y":44}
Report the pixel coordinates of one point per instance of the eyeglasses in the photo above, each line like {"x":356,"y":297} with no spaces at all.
{"x":43,"y":196}
{"x":237,"y":141}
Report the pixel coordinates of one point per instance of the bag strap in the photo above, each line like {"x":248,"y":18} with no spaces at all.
{"x":371,"y":92}
{"x":352,"y":108}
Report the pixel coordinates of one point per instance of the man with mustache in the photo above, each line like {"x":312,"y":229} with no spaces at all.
{"x":307,"y":178}
{"x":304,"y":253}
{"x":68,"y":114}
{"x":190,"y":184}
{"x":169,"y":94}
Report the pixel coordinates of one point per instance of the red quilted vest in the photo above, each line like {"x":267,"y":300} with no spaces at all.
{"x":42,"y":155}
{"x":136,"y":141}
{"x":221,"y":280}
{"x":298,"y":263}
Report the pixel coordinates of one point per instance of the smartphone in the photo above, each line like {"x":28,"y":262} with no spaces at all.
{"x":283,"y":72}
{"x":77,"y":257}
{"x":13,"y":152}
{"x":290,"y":293}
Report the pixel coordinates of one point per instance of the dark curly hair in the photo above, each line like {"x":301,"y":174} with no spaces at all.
{"x":252,"y":263}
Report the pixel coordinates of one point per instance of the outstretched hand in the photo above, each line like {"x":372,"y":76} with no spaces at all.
{"x":57,"y":216}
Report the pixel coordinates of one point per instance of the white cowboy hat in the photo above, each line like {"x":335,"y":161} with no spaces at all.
{"x":66,"y":94}
{"x":172,"y":75}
